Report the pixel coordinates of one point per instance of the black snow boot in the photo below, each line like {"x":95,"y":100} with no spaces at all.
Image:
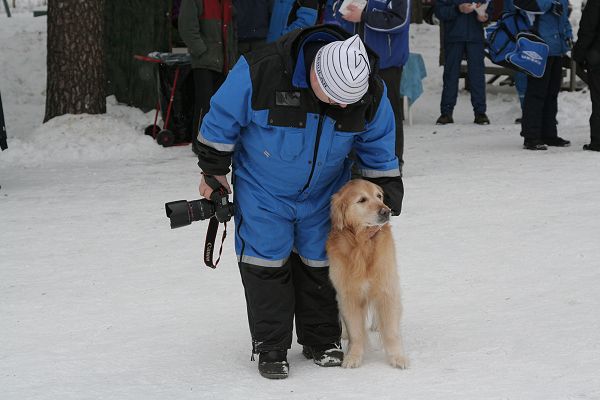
{"x":532,"y":144}
{"x":481,"y":119}
{"x":326,"y":355}
{"x":557,"y":142}
{"x":592,"y":147}
{"x":273,"y":364}
{"x":444,"y":119}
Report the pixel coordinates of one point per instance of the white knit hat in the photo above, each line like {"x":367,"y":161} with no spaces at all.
{"x":342,"y":70}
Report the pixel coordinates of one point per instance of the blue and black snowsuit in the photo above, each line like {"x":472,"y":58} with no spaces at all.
{"x":290,"y":155}
{"x":463,"y":34}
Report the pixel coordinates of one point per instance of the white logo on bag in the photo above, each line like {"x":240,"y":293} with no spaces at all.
{"x":532,"y":56}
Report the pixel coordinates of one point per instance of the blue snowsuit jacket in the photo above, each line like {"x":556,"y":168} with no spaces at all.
{"x":384,"y":28}
{"x":288,"y":15}
{"x":290,"y":153}
{"x":460,"y":27}
{"x":552,"y":22}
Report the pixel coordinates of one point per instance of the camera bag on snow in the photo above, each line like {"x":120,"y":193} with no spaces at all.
{"x":512,"y":42}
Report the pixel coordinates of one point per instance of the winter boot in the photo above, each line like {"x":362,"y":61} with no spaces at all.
{"x":534,"y":144}
{"x":592,"y":147}
{"x":557,"y":142}
{"x":273,"y":364}
{"x":481,"y":119}
{"x":444,"y":119}
{"x":326,"y":355}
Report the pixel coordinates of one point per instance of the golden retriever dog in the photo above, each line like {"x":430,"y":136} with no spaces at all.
{"x":363,"y":270}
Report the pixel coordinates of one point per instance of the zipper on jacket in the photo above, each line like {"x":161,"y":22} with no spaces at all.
{"x":316,"y":152}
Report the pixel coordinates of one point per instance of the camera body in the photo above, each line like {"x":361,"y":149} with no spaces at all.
{"x":183,"y":212}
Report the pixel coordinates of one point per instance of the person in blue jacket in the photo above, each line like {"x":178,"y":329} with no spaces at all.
{"x":288,"y":15}
{"x":288,"y":115}
{"x":383,"y":25}
{"x":539,"y":125}
{"x":463,"y":34}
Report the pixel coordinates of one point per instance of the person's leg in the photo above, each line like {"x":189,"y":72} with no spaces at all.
{"x":549,"y":131}
{"x":453,"y":53}
{"x":533,"y":107}
{"x":392,"y":77}
{"x":594,"y":85}
{"x":270,"y":304}
{"x":318,"y":324}
{"x":476,"y":76}
{"x":317,"y":317}
{"x":264,"y":234}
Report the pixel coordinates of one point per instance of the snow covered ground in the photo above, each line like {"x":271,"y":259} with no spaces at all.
{"x":499,"y":252}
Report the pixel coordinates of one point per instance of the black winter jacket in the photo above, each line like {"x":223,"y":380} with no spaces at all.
{"x":587,"y":49}
{"x":253,"y":18}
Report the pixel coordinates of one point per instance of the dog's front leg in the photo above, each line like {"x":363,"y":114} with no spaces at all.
{"x":389,"y":312}
{"x":354,"y":312}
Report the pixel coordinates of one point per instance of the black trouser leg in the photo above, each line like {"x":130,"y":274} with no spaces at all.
{"x":594,"y":84}
{"x":317,"y":316}
{"x":392,"y":77}
{"x":270,"y":303}
{"x":535,"y":101}
{"x":549,"y":130}
{"x":206,"y":83}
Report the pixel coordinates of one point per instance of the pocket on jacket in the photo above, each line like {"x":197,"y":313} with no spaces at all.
{"x":292,"y":142}
{"x":341,"y":144}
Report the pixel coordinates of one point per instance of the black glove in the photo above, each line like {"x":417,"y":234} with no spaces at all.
{"x":393,"y":192}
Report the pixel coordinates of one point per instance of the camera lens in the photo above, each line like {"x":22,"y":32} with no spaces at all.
{"x":178,"y":213}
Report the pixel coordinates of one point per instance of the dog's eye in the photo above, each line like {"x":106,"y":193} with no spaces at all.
{"x":379,"y":196}
{"x":362,"y":199}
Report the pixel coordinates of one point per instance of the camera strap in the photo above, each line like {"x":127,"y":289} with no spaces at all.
{"x":209,"y":244}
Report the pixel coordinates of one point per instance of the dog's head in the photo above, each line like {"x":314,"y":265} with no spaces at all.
{"x":359,"y":205}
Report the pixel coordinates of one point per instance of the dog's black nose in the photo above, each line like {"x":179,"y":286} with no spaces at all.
{"x":384,"y":214}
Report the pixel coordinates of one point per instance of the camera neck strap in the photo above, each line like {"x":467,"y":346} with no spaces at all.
{"x":209,"y":244}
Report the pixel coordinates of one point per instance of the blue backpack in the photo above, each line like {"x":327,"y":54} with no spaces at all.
{"x":513,"y":43}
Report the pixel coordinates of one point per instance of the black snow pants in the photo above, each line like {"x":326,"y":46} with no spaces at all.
{"x":274,"y":295}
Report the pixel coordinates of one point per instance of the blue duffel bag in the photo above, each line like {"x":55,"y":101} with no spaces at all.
{"x":513,"y":43}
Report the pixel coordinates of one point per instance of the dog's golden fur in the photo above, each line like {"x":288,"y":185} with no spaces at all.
{"x":363,"y":270}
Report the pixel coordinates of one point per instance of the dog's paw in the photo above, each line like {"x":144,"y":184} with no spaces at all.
{"x":352,"y":361}
{"x":398,"y":361}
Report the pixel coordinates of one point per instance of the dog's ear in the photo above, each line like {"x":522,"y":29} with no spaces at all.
{"x":338,"y":211}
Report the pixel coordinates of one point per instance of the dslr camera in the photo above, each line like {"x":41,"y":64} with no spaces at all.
{"x":183,"y":212}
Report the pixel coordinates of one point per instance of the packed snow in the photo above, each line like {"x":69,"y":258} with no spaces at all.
{"x":498,"y":247}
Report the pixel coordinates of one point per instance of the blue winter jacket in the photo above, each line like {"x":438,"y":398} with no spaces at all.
{"x":283,"y":143}
{"x":459,"y":27}
{"x":554,"y":29}
{"x":288,"y":15}
{"x":384,"y":28}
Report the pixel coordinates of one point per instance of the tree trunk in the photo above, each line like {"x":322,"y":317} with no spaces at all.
{"x":76,"y":72}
